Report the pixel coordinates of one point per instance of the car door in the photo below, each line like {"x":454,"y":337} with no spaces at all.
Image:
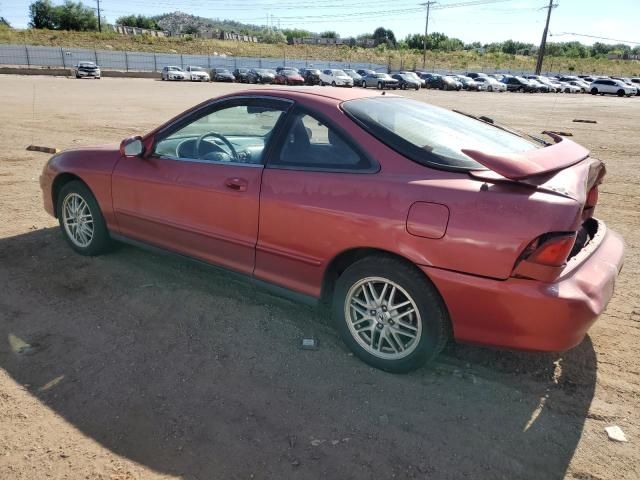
{"x":197,"y":190}
{"x":309,"y":186}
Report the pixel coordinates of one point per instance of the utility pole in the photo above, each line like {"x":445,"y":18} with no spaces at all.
{"x":543,"y":42}
{"x":426,"y":32}
{"x":99,"y":19}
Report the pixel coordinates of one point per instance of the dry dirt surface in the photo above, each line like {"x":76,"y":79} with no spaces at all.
{"x":140,"y":366}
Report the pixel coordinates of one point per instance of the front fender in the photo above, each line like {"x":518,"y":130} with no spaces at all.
{"x":92,"y":165}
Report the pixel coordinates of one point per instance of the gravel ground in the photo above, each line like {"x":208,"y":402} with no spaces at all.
{"x":134,"y":365}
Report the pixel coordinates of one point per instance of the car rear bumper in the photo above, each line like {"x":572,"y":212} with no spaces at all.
{"x":528,"y":314}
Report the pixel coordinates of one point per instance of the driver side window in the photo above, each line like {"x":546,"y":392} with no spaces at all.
{"x":237,"y":133}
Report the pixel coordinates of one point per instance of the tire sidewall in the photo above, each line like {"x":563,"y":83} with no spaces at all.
{"x":433,"y":314}
{"x":101,"y":239}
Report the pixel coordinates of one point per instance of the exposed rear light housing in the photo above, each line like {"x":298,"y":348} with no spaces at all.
{"x":546,"y":256}
{"x":553,"y":250}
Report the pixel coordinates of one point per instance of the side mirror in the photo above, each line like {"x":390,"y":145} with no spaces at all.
{"x":132,"y":147}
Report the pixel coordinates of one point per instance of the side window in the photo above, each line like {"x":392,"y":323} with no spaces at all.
{"x":235,"y":133}
{"x":309,"y":144}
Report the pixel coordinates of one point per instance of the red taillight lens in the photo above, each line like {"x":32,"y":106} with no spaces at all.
{"x":552,"y":250}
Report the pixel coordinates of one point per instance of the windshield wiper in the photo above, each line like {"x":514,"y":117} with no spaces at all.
{"x":490,"y":121}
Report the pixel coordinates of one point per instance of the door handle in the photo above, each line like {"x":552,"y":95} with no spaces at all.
{"x":237,"y":184}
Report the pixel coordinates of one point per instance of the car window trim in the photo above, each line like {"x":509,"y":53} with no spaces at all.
{"x":220,"y":104}
{"x":279,"y":139}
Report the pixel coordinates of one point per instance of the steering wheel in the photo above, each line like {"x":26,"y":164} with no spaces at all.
{"x":232,"y":150}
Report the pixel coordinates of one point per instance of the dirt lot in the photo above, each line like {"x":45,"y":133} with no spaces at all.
{"x":144,"y":366}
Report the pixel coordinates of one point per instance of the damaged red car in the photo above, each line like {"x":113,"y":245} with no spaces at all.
{"x":416,"y":223}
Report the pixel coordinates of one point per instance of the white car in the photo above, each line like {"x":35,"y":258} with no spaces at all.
{"x":612,"y":87}
{"x":583,"y":86}
{"x":335,"y":78}
{"x":490,"y":84}
{"x":87,"y":70}
{"x":197,"y":74}
{"x":171,"y":72}
{"x":553,"y":87}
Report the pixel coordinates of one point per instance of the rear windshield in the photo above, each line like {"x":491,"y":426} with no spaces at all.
{"x":431,"y":135}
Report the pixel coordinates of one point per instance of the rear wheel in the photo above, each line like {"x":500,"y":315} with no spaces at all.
{"x":594,"y":91}
{"x":364,"y":84}
{"x":389,"y":314}
{"x":620,"y":93}
{"x":489,"y":88}
{"x":333,"y":84}
{"x":380,"y":86}
{"x":81,"y":220}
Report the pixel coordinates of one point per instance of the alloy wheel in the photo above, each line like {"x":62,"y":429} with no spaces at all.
{"x":383,"y":318}
{"x":77,"y":220}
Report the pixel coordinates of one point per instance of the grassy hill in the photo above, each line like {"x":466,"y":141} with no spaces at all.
{"x":461,"y":60}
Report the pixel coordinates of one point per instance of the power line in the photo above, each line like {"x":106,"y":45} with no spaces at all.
{"x":592,"y":36}
{"x":543,"y":42}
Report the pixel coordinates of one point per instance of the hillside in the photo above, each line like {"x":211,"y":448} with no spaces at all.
{"x":177,"y":22}
{"x":462,"y":60}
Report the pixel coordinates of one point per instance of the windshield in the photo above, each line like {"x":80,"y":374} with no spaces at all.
{"x":221,"y":70}
{"x":431,"y":135}
{"x":339,"y":73}
{"x":196,"y":69}
{"x":87,"y":64}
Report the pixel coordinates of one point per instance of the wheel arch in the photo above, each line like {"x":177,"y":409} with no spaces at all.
{"x":343,"y":260}
{"x":60,"y":181}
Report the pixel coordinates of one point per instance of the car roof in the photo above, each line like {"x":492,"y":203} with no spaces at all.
{"x":310,"y":93}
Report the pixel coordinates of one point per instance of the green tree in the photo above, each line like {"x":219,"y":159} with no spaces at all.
{"x":191,"y":30}
{"x":292,"y":33}
{"x":76,"y":16}
{"x":272,"y":36}
{"x":329,"y":34}
{"x":383,"y":35}
{"x":139,"y":21}
{"x":4,"y":22}
{"x":43,"y":14}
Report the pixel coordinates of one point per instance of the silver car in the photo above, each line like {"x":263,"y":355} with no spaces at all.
{"x":171,"y":72}
{"x":380,"y":81}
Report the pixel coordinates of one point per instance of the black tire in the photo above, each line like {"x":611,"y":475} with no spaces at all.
{"x":489,"y":88}
{"x":620,"y":93}
{"x":594,"y":91}
{"x":436,"y":326}
{"x":403,"y":86}
{"x":101,"y":241}
{"x":333,"y":84}
{"x":364,"y":84}
{"x":380,"y":86}
{"x":417,"y":88}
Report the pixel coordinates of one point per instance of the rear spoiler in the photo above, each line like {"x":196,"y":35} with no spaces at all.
{"x":518,"y":166}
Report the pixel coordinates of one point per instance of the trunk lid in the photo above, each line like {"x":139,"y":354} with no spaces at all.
{"x":564,"y":168}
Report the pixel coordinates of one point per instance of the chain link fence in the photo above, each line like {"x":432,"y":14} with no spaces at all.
{"x":60,"y":57}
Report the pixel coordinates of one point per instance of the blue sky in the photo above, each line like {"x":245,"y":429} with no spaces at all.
{"x":516,"y":19}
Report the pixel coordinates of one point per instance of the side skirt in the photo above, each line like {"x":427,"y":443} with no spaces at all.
{"x":270,"y":287}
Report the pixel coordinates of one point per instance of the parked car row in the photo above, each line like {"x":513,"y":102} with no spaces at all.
{"x":472,"y":81}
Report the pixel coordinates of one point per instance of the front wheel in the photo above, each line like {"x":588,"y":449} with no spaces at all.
{"x":380,"y":86}
{"x":620,"y":93}
{"x":389,"y":314}
{"x":364,"y":84}
{"x":81,"y":220}
{"x":333,"y":84}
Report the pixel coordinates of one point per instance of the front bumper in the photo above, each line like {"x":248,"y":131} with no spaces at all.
{"x":83,"y":73}
{"x":528,"y":314}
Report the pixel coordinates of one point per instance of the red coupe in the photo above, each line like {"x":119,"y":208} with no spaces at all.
{"x":289,"y":77}
{"x":416,"y":222}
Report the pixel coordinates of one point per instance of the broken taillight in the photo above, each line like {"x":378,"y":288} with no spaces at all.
{"x":551,"y":249}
